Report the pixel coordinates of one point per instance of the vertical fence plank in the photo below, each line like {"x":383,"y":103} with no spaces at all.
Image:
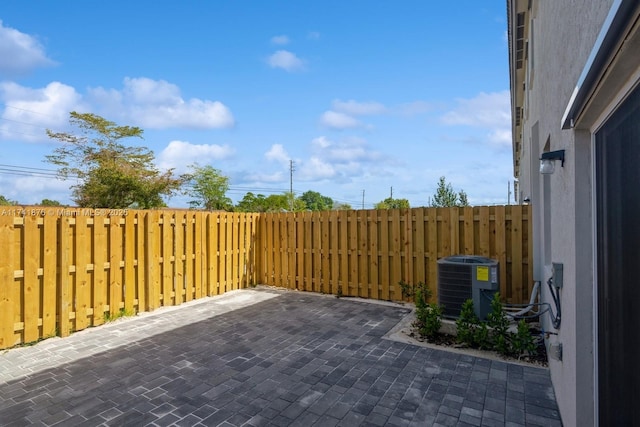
{"x":352,"y":250}
{"x":228,"y":250}
{"x":517,"y":290}
{"x":115,"y":272}
{"x":293,"y":248}
{"x":152,"y":257}
{"x":334,"y":254}
{"x":49,"y":279}
{"x":129,"y":288}
{"x":298,"y":251}
{"x":199,"y":247}
{"x":484,"y":231}
{"x":362,"y":280}
{"x":384,"y":254}
{"x":99,"y":259}
{"x":343,"y":251}
{"x":307,"y":251}
{"x":7,"y":281}
{"x":419,"y":254}
{"x":374,"y":258}
{"x":64,"y":278}
{"x":396,"y":259}
{"x":82,"y":306}
{"x":407,"y":244}
{"x":141,"y":261}
{"x":432,"y":245}
{"x":167,"y":262}
{"x":30,"y":279}
{"x":325,"y":251}
{"x":500,"y":250}
{"x":468,"y":231}
{"x":179,"y":257}
{"x":316,"y":245}
{"x":214,"y":254}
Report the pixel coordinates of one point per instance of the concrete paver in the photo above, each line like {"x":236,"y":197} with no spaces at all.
{"x":264,"y":357}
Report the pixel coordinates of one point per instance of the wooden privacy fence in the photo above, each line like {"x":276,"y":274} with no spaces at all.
{"x":63,"y":270}
{"x":66,"y":269}
{"x":366,"y":253}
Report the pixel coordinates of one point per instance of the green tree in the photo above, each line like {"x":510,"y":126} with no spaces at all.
{"x":209,"y":188}
{"x":390,"y":203}
{"x":49,"y":202}
{"x":446,"y":196}
{"x":252,"y":203}
{"x":6,"y":202}
{"x":111,"y":174}
{"x":273,"y":203}
{"x":315,"y":201}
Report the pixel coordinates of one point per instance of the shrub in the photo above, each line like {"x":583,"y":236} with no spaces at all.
{"x":522,"y":340}
{"x":499,"y":325}
{"x":428,"y":316}
{"x":467,"y":324}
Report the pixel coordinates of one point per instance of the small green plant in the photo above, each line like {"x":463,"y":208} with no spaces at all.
{"x":467,"y":324}
{"x":522,"y":341}
{"x":499,"y":324}
{"x":108,"y":317}
{"x":482,"y":336}
{"x":339,"y":292}
{"x":409,"y":291}
{"x":428,"y":316}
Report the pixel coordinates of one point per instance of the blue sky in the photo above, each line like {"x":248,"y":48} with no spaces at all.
{"x":365,"y":97}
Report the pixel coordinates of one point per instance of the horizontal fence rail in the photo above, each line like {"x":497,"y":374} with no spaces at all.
{"x":66,"y":269}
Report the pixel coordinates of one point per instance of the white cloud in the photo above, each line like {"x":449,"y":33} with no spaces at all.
{"x":355,"y":108}
{"x":277,"y":153}
{"x":28,"y":190}
{"x":28,"y":112}
{"x":286,"y":60}
{"x":180,"y":154}
{"x":20,"y":52}
{"x":335,"y":120}
{"x":158,"y":104}
{"x":487,"y":110}
{"x":281,"y":40}
{"x":344,"y":151}
{"x":313,"y":35}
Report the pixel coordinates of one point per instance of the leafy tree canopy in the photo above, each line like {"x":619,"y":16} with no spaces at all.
{"x":110,"y":174}
{"x":446,"y":196}
{"x":315,"y":201}
{"x":49,"y":202}
{"x":209,"y":188}
{"x":273,"y":203}
{"x":6,"y":202}
{"x":391,"y":203}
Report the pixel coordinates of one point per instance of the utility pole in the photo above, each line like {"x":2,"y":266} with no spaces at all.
{"x":391,"y":193}
{"x":508,"y":192}
{"x":291,"y":169}
{"x":362,"y":199}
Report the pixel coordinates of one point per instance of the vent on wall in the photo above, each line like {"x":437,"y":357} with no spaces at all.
{"x":464,"y":277}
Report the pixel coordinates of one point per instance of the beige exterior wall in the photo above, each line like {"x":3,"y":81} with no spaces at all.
{"x":561,"y":35}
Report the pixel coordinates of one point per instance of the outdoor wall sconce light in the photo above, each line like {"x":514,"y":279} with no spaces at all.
{"x":547,"y":165}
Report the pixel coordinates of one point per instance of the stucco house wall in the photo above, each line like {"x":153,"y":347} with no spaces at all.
{"x":559,"y":39}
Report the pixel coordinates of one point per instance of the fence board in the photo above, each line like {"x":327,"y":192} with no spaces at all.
{"x":7,"y":281}
{"x":49,"y":294}
{"x":82,"y":304}
{"x":30,"y":279}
